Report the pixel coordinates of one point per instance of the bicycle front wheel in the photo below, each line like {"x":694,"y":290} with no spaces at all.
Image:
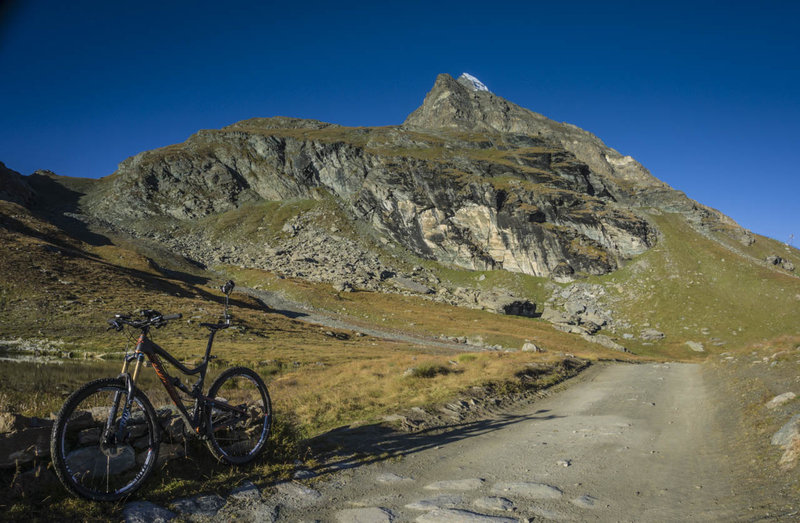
{"x":98,"y":455}
{"x":238,"y":434}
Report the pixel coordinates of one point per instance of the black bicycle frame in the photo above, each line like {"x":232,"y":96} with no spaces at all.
{"x":153,"y":352}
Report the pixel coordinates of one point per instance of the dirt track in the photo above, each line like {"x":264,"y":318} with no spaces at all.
{"x":625,"y":443}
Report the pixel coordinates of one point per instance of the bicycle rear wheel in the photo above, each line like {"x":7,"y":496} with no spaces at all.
{"x":238,"y":436}
{"x":92,"y":457}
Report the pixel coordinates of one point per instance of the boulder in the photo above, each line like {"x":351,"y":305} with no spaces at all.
{"x":651,"y":335}
{"x":204,"y":506}
{"x":169,"y":451}
{"x":791,"y":455}
{"x":575,"y":307}
{"x":23,"y":446}
{"x":10,"y":422}
{"x":787,"y":432}
{"x":410,"y":285}
{"x":342,"y":286}
{"x":531,"y":347}
{"x":556,"y":316}
{"x":695,"y":346}
{"x":505,"y":303}
{"x":93,"y":460}
{"x":605,"y":341}
{"x":571,"y":329}
{"x":145,"y":512}
{"x":780,"y":399}
{"x":37,"y":479}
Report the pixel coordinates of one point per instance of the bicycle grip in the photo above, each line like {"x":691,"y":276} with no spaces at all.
{"x":172,"y":316}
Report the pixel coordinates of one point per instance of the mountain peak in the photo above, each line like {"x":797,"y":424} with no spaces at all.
{"x":471,"y":82}
{"x":460,"y":104}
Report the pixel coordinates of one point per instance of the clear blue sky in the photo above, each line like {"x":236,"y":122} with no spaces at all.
{"x":704,"y":94}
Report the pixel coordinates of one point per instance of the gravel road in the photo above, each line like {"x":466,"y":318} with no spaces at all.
{"x":618,"y":443}
{"x":626,"y":443}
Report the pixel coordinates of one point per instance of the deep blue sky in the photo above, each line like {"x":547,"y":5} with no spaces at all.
{"x":704,"y":94}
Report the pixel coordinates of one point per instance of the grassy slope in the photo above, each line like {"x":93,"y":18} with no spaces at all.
{"x":59,"y":289}
{"x":692,"y":288}
{"x":683,"y":285}
{"x":748,"y":381}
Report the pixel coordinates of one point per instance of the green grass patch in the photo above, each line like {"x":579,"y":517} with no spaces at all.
{"x":695,"y":289}
{"x":430,"y":370}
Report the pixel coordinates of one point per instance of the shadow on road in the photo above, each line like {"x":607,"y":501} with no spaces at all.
{"x":355,"y":447}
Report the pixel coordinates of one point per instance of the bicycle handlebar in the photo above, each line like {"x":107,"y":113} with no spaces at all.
{"x":154,"y":319}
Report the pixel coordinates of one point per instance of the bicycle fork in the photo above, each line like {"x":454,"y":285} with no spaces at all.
{"x":130,"y":385}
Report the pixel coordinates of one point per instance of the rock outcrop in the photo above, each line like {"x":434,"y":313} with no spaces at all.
{"x":506,"y":197}
{"x":14,"y":187}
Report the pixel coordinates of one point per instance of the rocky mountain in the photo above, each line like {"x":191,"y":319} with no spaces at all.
{"x":469,"y":179}
{"x":469,"y":182}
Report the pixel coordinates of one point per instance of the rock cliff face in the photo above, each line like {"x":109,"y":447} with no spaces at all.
{"x":480,"y":201}
{"x":469,"y":179}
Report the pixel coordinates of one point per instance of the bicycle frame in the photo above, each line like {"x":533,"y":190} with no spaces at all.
{"x":147,"y":348}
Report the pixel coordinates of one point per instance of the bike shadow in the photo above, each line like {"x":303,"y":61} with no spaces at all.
{"x":347,"y":448}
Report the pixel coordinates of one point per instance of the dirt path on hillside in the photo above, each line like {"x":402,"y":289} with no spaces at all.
{"x":624,"y":443}
{"x":297,"y":311}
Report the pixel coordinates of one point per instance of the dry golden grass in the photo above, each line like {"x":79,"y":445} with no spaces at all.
{"x":363,"y":391}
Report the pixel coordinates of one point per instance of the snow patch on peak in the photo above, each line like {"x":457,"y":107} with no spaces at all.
{"x":472,"y":82}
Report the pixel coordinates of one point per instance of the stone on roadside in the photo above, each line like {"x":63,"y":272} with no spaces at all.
{"x":788,"y":432}
{"x":202,"y":506}
{"x":246,"y":491}
{"x":790,"y":456}
{"x":297,"y":495}
{"x":145,"y":512}
{"x":780,"y":399}
{"x":304,"y":474}
{"x":365,"y":515}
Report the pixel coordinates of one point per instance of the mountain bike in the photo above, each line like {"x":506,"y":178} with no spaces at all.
{"x":106,"y":437}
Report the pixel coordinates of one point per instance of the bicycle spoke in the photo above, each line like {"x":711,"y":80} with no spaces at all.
{"x":238,"y":436}
{"x":92,"y":456}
